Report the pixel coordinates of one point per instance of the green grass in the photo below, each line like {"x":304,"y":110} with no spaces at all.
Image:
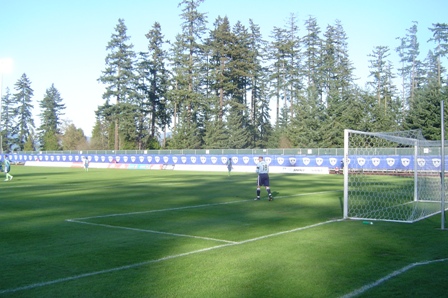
{"x":119,"y":233}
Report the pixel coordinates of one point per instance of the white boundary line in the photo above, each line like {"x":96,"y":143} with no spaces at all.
{"x":191,"y":207}
{"x":153,"y":211}
{"x":228,"y":243}
{"x":390,"y":276}
{"x":149,"y":231}
{"x":76,"y":277}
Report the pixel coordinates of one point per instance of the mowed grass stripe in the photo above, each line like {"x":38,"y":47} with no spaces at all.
{"x":39,"y":247}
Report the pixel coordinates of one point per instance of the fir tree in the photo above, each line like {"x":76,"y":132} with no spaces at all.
{"x":119,"y":74}
{"x":51,"y":112}
{"x":22,"y":102}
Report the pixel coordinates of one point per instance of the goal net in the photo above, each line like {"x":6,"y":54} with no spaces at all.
{"x":391,"y":176}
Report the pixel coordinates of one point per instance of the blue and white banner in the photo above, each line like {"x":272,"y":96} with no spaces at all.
{"x":286,"y":163}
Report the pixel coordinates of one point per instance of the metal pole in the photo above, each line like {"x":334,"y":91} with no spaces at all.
{"x":442,"y":174}
{"x":345,"y":171}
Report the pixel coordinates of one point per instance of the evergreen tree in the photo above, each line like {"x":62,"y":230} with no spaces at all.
{"x":215,"y":135}
{"x":142,"y":101}
{"x":440,"y":37}
{"x":293,"y":66}
{"x":260,"y":118}
{"x":241,"y":67}
{"x":237,"y":125}
{"x":188,"y":62}
{"x":277,"y":55}
{"x":219,"y":46}
{"x":160,"y":114}
{"x":218,"y":82}
{"x":424,"y":112}
{"x":338,"y":83}
{"x":408,"y":52}
{"x":119,"y":75}
{"x":433,"y":68}
{"x":312,"y":58}
{"x":99,"y":140}
{"x":378,"y":69}
{"x":8,"y":125}
{"x":106,"y":119}
{"x":23,"y":106}
{"x":49,"y":131}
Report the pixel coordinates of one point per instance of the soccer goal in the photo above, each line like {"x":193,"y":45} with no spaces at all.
{"x":391,"y":176}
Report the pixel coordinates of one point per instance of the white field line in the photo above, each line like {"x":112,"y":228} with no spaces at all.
{"x":149,"y":231}
{"x":390,"y":276}
{"x":153,"y":211}
{"x":191,"y":207}
{"x":76,"y":277}
{"x":229,"y":243}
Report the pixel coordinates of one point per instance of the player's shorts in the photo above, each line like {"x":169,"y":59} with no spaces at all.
{"x":263,"y":179}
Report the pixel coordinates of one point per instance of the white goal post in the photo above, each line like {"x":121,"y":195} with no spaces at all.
{"x":391,"y":176}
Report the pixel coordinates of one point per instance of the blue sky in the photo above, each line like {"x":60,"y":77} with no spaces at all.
{"x":63,"y":42}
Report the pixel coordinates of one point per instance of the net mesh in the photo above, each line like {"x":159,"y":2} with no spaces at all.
{"x":391,"y":176}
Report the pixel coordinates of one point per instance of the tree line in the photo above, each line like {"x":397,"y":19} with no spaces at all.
{"x":222,"y":87}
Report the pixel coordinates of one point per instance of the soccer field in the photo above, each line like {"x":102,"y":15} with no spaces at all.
{"x":123,"y":233}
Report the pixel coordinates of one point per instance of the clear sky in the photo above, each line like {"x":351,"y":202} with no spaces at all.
{"x":63,"y":42}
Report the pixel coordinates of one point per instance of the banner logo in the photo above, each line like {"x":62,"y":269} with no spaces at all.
{"x":306,"y":161}
{"x":421,"y":162}
{"x":390,"y":161}
{"x":292,"y":161}
{"x":361,"y":161}
{"x":405,"y":162}
{"x":333,"y":161}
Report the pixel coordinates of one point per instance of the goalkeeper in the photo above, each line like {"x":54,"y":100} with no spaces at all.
{"x":263,"y":178}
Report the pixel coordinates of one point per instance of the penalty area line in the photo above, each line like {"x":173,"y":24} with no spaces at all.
{"x":131,"y":266}
{"x":150,"y":231}
{"x":157,"y":210}
{"x":192,"y":207}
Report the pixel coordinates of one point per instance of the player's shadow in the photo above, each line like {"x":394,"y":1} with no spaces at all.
{"x":275,"y":193}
